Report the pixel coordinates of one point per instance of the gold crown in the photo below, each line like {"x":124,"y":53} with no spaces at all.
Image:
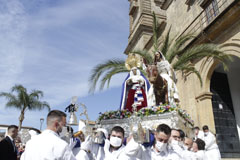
{"x":133,"y":61}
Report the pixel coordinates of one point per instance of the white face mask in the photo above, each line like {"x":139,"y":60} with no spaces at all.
{"x":115,"y":141}
{"x":181,"y":143}
{"x":185,"y":147}
{"x":174,"y":142}
{"x":63,"y":132}
{"x":205,"y":134}
{"x":160,"y":146}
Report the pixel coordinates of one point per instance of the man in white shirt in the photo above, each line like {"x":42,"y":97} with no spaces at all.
{"x":113,"y":149}
{"x":160,"y":149}
{"x":198,"y":133}
{"x":48,"y":145}
{"x":187,"y":154}
{"x":174,"y":142}
{"x":212,"y":151}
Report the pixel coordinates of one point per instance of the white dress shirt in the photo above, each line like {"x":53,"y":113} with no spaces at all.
{"x":47,"y":146}
{"x":212,"y":151}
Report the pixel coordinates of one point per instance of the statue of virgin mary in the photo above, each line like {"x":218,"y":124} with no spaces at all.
{"x":134,"y":90}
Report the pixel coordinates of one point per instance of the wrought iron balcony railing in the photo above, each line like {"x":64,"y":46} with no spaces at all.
{"x":210,"y":12}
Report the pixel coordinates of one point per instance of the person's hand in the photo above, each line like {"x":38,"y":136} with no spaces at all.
{"x":72,"y":143}
{"x":87,"y":144}
{"x":129,"y":81}
{"x":129,"y":138}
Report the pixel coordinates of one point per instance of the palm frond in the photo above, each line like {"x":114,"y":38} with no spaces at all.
{"x":8,"y":96}
{"x":36,"y":93}
{"x":202,"y":51}
{"x":109,"y":74}
{"x":166,"y":43}
{"x":155,"y":32}
{"x":100,"y":69}
{"x":188,"y":69}
{"x":38,"y":105}
{"x":21,"y":93}
{"x":14,"y":104}
{"x":177,"y":48}
{"x":18,"y":88}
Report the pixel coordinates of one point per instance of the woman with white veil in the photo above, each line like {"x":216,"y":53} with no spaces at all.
{"x":166,"y":71}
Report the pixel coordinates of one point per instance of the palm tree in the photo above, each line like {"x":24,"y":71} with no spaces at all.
{"x":174,"y":50}
{"x":23,"y":101}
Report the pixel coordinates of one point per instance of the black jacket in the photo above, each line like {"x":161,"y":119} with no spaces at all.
{"x":7,"y":150}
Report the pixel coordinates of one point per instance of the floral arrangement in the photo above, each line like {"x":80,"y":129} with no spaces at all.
{"x":154,"y":110}
{"x":185,"y":115}
{"x":147,"y":111}
{"x":119,"y":114}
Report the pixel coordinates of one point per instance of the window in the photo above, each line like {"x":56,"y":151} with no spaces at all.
{"x":211,"y":10}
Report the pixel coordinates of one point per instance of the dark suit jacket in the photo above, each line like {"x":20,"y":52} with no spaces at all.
{"x":7,"y":150}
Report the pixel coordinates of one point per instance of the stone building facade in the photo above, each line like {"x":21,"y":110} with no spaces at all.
{"x":217,"y":102}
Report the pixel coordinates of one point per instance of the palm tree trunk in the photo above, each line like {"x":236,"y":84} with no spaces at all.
{"x":21,"y":118}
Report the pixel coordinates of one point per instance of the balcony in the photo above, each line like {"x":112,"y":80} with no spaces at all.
{"x":206,"y":17}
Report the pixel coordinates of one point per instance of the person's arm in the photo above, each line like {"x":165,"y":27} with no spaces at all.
{"x":68,"y":154}
{"x":3,"y":147}
{"x":129,"y":81}
{"x":136,"y":150}
{"x":82,"y":155}
{"x":132,"y":147}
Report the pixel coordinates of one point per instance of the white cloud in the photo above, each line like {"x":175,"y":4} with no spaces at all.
{"x":54,"y":48}
{"x":12,"y":27}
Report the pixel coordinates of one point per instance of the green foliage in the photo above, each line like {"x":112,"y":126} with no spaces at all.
{"x":21,"y":100}
{"x":108,"y":69}
{"x":181,"y":58}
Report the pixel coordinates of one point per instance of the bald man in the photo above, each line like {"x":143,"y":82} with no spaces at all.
{"x":187,"y":154}
{"x":188,"y":142}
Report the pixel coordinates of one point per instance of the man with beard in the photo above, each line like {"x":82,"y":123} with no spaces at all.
{"x":48,"y":144}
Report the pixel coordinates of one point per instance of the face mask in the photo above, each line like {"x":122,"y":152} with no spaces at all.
{"x":63,"y":131}
{"x":115,"y":141}
{"x":205,"y":134}
{"x":160,"y":146}
{"x":181,"y":143}
{"x":174,"y":142}
{"x":185,"y":147}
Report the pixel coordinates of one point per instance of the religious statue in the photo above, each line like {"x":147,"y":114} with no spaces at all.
{"x":167,"y":73}
{"x":135,"y":88}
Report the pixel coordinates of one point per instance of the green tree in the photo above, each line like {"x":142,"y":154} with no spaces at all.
{"x":177,"y":53}
{"x":19,"y":98}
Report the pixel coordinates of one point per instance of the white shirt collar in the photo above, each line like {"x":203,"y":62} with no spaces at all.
{"x":51,"y":132}
{"x":10,"y":138}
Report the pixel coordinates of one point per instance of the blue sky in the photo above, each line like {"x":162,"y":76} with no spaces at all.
{"x":52,"y":45}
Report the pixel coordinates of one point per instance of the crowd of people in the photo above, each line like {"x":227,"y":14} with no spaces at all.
{"x":165,"y":144}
